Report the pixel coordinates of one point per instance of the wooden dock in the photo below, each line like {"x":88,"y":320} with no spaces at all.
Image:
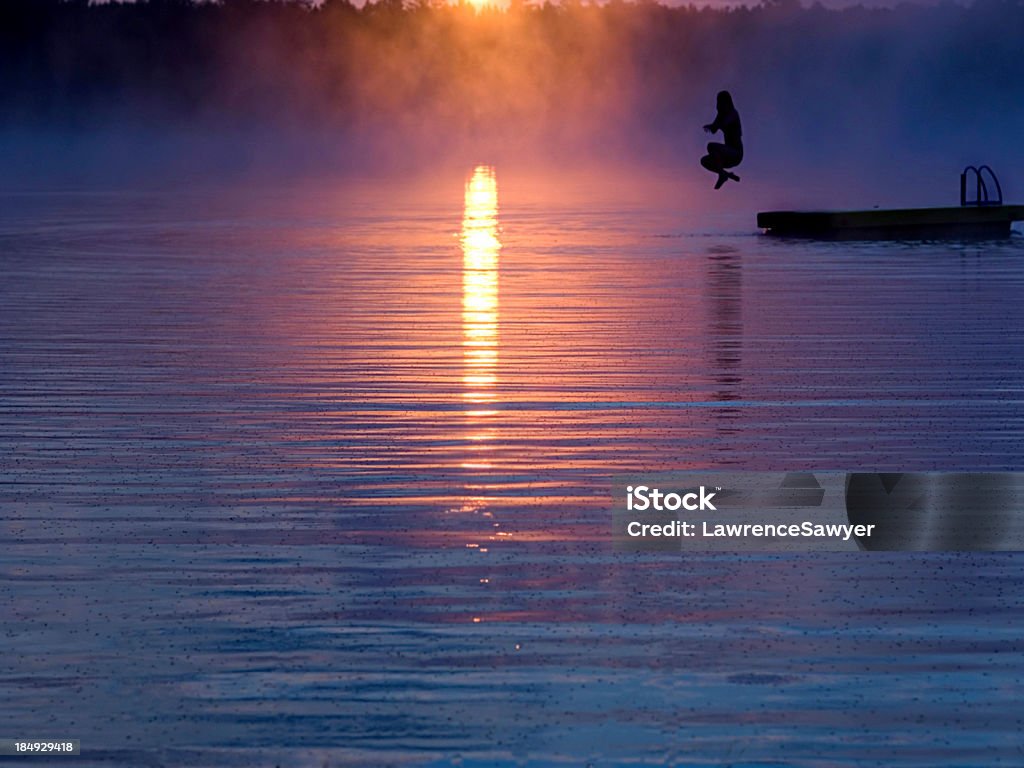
{"x":971,"y":221}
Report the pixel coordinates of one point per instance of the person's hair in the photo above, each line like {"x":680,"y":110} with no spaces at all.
{"x":725,"y":102}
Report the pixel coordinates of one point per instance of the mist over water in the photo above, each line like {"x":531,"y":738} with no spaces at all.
{"x":868,"y":106}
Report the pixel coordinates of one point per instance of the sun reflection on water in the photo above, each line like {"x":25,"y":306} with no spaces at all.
{"x":480,"y":250}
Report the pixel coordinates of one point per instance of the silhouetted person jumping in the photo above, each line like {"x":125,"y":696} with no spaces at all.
{"x":729,"y":154}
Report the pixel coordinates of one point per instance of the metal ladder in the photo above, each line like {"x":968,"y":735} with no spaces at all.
{"x":981,"y":196}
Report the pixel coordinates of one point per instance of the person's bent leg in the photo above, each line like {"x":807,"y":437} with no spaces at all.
{"x":720,"y":157}
{"x":711,"y":164}
{"x":730,"y":158}
{"x":713,"y":159}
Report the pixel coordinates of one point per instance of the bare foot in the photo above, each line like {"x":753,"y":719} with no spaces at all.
{"x":722,"y":178}
{"x":732,"y":176}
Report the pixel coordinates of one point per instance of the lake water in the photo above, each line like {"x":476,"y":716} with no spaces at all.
{"x":318,"y":475}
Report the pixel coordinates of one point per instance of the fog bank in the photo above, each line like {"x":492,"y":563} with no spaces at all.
{"x":860,"y":94}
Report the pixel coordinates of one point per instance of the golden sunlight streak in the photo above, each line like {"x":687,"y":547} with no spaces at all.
{"x":480,"y":250}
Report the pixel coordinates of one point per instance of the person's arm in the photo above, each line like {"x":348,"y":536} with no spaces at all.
{"x":715,"y":126}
